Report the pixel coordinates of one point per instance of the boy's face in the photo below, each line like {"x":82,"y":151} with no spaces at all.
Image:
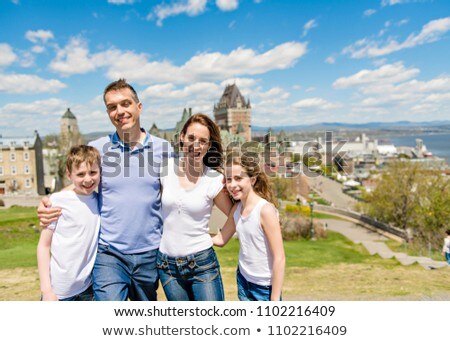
{"x":85,"y":178}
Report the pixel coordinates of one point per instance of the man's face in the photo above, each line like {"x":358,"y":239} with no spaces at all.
{"x":123,"y":110}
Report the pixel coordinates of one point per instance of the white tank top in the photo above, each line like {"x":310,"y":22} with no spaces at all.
{"x":255,"y":258}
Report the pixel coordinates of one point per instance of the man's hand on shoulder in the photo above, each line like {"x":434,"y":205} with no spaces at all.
{"x":46,"y":213}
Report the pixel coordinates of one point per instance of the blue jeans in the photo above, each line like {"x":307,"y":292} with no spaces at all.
{"x":248,"y":291}
{"x":119,"y":277}
{"x":87,"y":295}
{"x":191,"y":278}
{"x":447,"y":257}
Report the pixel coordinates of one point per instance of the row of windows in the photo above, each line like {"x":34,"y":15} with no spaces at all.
{"x":15,"y":184}
{"x":26,"y":170}
{"x":13,"y":157}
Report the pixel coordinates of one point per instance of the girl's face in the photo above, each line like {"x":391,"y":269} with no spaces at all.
{"x":196,"y":141}
{"x":239,"y":184}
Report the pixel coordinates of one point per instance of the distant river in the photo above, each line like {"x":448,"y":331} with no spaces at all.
{"x":438,"y":144}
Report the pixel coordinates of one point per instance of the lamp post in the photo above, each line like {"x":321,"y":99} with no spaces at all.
{"x":311,"y":206}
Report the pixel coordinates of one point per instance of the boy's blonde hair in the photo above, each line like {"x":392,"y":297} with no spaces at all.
{"x":79,"y":154}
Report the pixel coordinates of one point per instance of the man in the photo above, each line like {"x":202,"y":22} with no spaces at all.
{"x":129,"y":200}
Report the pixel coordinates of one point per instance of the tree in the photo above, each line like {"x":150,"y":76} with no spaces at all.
{"x":434,"y":210}
{"x":396,"y":198}
{"x":411,"y":197}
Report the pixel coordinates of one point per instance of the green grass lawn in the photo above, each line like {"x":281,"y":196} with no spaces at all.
{"x":19,"y":235}
{"x":332,"y":268}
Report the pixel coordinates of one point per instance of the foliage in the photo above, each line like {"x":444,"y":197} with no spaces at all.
{"x":302,"y":210}
{"x":283,"y":187}
{"x":395,"y":200}
{"x":414,"y":199}
{"x":298,"y":227}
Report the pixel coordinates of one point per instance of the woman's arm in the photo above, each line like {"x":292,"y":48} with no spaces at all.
{"x":227,"y":230}
{"x":43,"y":258}
{"x":271,"y":226}
{"x":223,"y":202}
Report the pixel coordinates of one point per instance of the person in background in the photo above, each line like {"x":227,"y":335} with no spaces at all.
{"x":446,"y":247}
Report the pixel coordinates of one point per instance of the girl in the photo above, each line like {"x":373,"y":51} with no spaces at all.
{"x":187,"y":264}
{"x":255,"y":219}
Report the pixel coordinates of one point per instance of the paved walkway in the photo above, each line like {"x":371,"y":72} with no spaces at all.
{"x":374,"y":243}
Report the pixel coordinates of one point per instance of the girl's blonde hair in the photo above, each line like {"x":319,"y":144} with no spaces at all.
{"x":252,"y":166}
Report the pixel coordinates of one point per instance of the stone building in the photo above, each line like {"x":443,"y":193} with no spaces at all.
{"x":233,"y":113}
{"x":21,"y":165}
{"x":70,"y":134}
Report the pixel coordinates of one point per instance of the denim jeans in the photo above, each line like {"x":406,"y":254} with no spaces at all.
{"x":87,"y":295}
{"x":191,"y":278}
{"x":248,"y":291}
{"x":447,"y":257}
{"x":119,"y":277}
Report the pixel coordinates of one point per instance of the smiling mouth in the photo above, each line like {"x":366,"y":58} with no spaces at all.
{"x":89,"y":186}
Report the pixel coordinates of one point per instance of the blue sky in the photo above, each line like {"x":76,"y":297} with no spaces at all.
{"x":299,"y":62}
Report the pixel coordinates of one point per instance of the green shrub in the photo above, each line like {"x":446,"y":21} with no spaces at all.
{"x":302,"y":210}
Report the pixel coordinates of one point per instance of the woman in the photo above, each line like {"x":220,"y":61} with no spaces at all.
{"x":186,"y":261}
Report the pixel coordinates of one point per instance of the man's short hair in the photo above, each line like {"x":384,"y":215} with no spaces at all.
{"x":118,"y":85}
{"x":82,"y":153}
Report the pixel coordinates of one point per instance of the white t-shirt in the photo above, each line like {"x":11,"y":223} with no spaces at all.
{"x":74,"y":242}
{"x":255,"y":258}
{"x":186,"y":212}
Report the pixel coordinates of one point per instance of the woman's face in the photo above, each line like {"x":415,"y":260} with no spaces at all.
{"x":196,"y":141}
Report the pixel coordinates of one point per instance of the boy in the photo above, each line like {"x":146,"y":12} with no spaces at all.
{"x":67,"y":248}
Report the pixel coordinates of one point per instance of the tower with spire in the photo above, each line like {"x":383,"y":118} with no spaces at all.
{"x":233,"y":113}
{"x":70,"y":134}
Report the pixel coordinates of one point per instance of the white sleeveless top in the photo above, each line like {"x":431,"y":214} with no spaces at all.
{"x":255,"y":258}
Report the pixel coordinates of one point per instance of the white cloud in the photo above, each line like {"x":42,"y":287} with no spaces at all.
{"x":75,"y":58}
{"x":431,"y":32}
{"x":369,"y":12}
{"x":39,"y":36}
{"x":396,"y":2}
{"x":7,"y":55}
{"x":386,"y":74}
{"x":200,"y":90}
{"x":330,"y":60}
{"x":26,"y":59}
{"x":308,"y":26}
{"x":28,"y":84}
{"x":227,"y":5}
{"x":315,"y":103}
{"x":188,"y":7}
{"x":37,"y":49}
{"x":242,"y":83}
{"x":121,"y":2}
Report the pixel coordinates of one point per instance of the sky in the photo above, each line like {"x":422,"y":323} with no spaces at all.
{"x":298,"y":61}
